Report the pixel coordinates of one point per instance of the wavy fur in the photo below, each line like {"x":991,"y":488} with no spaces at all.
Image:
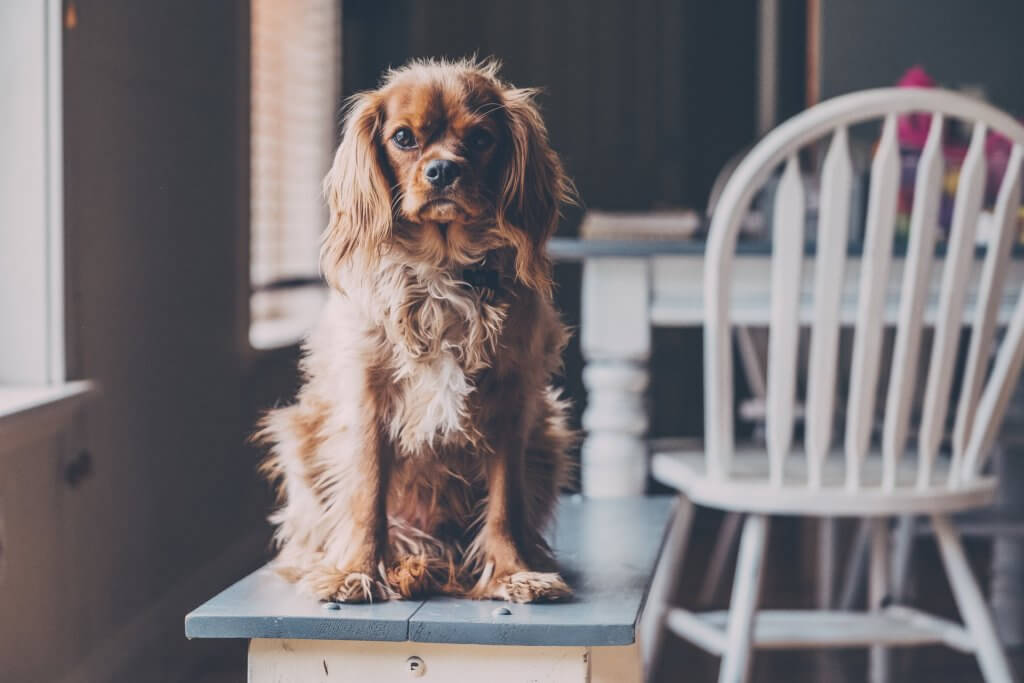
{"x":426,"y":447}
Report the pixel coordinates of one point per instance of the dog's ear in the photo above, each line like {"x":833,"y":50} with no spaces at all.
{"x":357,"y":189}
{"x":533,"y":189}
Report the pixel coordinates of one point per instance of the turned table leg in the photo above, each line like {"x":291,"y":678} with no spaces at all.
{"x":616,"y":340}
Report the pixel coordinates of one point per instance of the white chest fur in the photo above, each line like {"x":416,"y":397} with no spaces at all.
{"x":430,"y":403}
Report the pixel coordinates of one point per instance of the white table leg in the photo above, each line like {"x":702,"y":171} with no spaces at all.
{"x":616,"y":339}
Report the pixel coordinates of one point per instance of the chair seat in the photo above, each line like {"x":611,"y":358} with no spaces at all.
{"x":748,"y":489}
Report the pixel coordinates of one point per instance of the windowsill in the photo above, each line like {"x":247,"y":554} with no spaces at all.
{"x":268,"y":335}
{"x":282,"y":317}
{"x":28,"y":411}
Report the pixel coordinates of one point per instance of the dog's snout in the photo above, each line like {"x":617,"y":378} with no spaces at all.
{"x":441,"y":172}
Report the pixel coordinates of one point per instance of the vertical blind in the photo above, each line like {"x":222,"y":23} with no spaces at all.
{"x":296,"y":46}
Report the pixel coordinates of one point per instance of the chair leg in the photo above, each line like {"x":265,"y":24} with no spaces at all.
{"x":743,"y":604}
{"x":826,"y":566}
{"x":856,"y":567}
{"x":725,"y":545}
{"x":994,"y":665}
{"x":903,"y":546}
{"x":663,"y":586}
{"x":878,"y":591}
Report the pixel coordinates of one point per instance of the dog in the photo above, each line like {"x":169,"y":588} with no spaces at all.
{"x":426,"y":447}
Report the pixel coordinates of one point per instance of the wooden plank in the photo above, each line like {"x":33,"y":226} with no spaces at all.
{"x":263,"y":605}
{"x":610,"y":581}
{"x":946,"y":337}
{"x":881,"y":220}
{"x":833,"y":226}
{"x":784,"y":336}
{"x":903,"y":377}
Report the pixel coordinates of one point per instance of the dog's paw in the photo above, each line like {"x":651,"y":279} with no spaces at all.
{"x":339,"y":585}
{"x":413,"y":576}
{"x":527,"y":587}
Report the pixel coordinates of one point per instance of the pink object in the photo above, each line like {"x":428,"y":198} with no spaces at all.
{"x":916,"y":77}
{"x":997,"y":152}
{"x":913,"y":128}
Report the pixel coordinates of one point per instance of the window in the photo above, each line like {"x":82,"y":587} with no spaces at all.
{"x":296,"y":48}
{"x":31,"y":203}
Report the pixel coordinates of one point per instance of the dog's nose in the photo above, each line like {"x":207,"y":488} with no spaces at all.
{"x":441,"y":172}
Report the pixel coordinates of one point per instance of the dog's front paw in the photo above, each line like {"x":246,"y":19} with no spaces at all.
{"x":339,"y":585}
{"x":525,"y":586}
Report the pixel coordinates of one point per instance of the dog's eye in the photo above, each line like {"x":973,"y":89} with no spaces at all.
{"x":403,"y":137}
{"x":479,"y":139}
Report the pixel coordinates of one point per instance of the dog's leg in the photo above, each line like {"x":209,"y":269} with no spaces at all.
{"x":498,"y":547}
{"x":354,"y":562}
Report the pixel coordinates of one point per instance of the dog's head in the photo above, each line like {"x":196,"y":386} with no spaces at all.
{"x":448,"y":163}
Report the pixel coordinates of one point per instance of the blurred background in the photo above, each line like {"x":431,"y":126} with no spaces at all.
{"x":160,"y":214}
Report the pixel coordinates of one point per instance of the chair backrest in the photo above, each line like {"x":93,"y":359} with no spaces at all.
{"x":984,"y":394}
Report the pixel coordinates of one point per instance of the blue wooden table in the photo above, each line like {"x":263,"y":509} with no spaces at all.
{"x":607,"y":551}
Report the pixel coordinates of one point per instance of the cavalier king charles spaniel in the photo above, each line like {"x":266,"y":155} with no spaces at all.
{"x":426,"y":447}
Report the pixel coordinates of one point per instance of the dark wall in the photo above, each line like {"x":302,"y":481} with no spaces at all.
{"x":645,"y":101}
{"x":156,"y":145}
{"x":870,"y":43}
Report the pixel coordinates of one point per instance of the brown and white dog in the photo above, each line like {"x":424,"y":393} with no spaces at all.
{"x":426,"y":447}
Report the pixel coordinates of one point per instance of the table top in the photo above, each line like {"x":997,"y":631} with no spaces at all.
{"x":569,"y":249}
{"x":606,"y":549}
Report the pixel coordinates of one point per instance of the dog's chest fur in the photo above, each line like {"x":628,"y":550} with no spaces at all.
{"x":444,"y":337}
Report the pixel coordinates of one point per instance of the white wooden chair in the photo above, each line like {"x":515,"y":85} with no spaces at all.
{"x":856,"y":481}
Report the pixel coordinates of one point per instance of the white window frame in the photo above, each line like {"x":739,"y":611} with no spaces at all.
{"x":36,"y":397}
{"x":32,"y":350}
{"x":281,"y":316}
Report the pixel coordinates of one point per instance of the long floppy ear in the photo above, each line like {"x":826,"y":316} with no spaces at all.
{"x":357,"y":189}
{"x":534,"y":188}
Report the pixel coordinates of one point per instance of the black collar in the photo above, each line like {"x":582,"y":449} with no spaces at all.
{"x":483,"y":278}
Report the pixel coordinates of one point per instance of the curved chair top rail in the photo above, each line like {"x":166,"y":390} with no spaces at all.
{"x":983,"y":399}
